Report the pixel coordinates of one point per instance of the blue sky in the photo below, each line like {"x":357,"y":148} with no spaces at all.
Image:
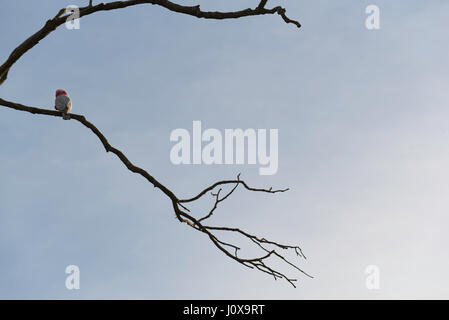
{"x":362,"y":145}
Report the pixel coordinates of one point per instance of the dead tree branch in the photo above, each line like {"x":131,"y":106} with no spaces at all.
{"x":195,"y":11}
{"x":183,"y":213}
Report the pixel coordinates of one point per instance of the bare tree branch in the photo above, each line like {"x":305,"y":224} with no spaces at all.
{"x":182,"y":212}
{"x":260,"y":263}
{"x":52,"y":24}
{"x":224,"y":182}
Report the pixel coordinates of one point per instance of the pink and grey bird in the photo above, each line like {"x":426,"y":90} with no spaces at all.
{"x":63,"y":103}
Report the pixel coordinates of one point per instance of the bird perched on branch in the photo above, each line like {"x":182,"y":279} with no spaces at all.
{"x":63,"y":103}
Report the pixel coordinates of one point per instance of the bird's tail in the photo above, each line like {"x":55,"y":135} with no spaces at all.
{"x":65,"y":116}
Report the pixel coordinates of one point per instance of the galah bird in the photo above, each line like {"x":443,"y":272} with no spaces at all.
{"x":63,"y":103}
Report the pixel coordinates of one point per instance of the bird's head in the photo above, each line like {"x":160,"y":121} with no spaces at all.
{"x":60,"y":92}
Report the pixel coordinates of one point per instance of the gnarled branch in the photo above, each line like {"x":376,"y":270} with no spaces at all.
{"x":52,"y":24}
{"x":181,"y":211}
